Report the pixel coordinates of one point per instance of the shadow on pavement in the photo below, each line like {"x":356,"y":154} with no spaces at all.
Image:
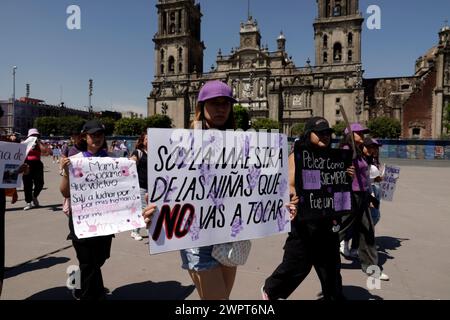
{"x":358,"y":293}
{"x":168,"y":290}
{"x":59,"y":293}
{"x":43,"y":263}
{"x":384,"y":244}
{"x":51,"y":207}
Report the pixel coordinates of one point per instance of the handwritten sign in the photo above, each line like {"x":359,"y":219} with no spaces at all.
{"x":12,"y":156}
{"x":323,"y":184}
{"x":215,"y":186}
{"x":105,"y":197}
{"x":389,"y":183}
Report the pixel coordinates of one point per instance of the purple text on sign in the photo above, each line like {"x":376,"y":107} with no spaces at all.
{"x":311,"y":179}
{"x":342,"y":201}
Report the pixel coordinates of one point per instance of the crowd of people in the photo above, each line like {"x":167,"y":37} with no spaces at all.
{"x":315,"y":243}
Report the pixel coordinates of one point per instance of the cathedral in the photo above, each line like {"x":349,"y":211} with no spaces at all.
{"x":270,"y":85}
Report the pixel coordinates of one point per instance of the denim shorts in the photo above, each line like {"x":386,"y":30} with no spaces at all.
{"x":198,"y":259}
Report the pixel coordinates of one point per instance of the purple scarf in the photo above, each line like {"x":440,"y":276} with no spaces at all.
{"x":102,"y":153}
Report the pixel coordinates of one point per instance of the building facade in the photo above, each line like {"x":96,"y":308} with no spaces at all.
{"x":269,"y":83}
{"x":20,"y":116}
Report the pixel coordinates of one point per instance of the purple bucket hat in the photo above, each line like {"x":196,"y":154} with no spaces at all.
{"x":357,"y":127}
{"x":215,"y":89}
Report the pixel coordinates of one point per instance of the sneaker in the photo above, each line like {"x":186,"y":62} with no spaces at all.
{"x":35,"y":202}
{"x":353,"y":253}
{"x":264,"y":294}
{"x":344,"y":249}
{"x":384,"y":277}
{"x":28,"y":206}
{"x":136,"y":236}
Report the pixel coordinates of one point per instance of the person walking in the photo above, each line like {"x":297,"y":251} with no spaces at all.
{"x":93,"y":252}
{"x":33,"y":183}
{"x":312,"y":242}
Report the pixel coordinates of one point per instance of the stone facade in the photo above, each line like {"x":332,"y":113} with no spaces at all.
{"x":418,"y":101}
{"x":269,"y":83}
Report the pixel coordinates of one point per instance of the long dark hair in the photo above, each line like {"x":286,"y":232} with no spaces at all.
{"x":140,"y":142}
{"x":200,"y":116}
{"x":347,"y":142}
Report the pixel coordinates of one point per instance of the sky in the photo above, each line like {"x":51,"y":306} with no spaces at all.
{"x":114,"y":46}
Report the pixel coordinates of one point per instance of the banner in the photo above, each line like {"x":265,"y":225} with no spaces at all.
{"x":215,"y":186}
{"x":12,"y":156}
{"x":325,"y":187}
{"x":391,"y":174}
{"x":105,"y":196}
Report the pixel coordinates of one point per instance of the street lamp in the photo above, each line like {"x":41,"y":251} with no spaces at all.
{"x":14,"y":83}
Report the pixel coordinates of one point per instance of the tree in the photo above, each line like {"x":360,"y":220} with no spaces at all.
{"x":70,"y":124}
{"x":298,"y":129}
{"x":265,"y":123}
{"x":47,"y":125}
{"x":109,"y":124}
{"x":385,"y":127}
{"x":129,"y":127}
{"x":242,"y":117}
{"x":339,"y":129}
{"x":157,"y":121}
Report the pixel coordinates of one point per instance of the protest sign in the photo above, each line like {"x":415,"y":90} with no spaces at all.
{"x":29,"y":142}
{"x":323,"y":185}
{"x":105,"y":196}
{"x":388,"y":185}
{"x":12,"y":156}
{"x":215,"y":186}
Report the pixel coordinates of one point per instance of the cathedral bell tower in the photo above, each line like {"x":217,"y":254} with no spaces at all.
{"x":337,"y":32}
{"x":178,"y":45}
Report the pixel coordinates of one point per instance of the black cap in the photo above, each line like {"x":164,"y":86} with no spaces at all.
{"x":318,"y":124}
{"x":93,"y":126}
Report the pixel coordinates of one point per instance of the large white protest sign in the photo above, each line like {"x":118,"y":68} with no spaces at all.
{"x":12,"y":156}
{"x":215,"y":186}
{"x":391,"y":174}
{"x":105,"y":196}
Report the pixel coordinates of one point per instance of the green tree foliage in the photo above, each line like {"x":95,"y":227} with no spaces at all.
{"x":242,"y":117}
{"x":157,"y":121}
{"x":298,"y":129}
{"x":48,"y":125}
{"x":265,"y":123}
{"x":129,"y":127}
{"x":70,"y":124}
{"x":339,"y":129}
{"x":109,"y":124}
{"x":385,"y":127}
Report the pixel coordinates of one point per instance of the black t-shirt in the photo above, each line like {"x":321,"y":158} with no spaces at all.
{"x":141,"y":168}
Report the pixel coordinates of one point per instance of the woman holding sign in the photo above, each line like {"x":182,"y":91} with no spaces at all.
{"x":213,"y":280}
{"x":359,"y":226}
{"x":36,"y":176}
{"x":314,"y":239}
{"x":91,"y":252}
